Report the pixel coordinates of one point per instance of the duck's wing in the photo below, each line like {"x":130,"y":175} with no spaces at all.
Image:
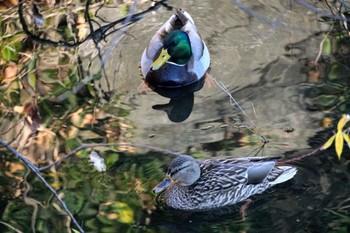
{"x":200,"y":60}
{"x":249,"y":159}
{"x":259,"y":169}
{"x":219,"y":176}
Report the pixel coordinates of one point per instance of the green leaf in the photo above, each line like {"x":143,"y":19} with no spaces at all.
{"x":32,"y":80}
{"x":11,"y":48}
{"x":326,"y":100}
{"x":49,"y":76}
{"x":327,"y":47}
{"x":111,"y":159}
{"x":6,"y":53}
{"x":123,"y":9}
{"x":32,"y":64}
{"x":334,"y":71}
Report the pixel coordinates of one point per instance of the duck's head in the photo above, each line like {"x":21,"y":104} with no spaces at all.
{"x":176,"y":49}
{"x":183,"y":170}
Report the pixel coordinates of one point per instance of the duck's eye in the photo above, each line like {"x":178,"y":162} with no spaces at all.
{"x":175,"y":42}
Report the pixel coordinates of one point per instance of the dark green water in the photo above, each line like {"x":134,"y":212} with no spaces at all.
{"x":249,"y":56}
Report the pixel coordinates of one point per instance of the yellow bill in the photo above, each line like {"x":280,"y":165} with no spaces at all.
{"x":163,"y":57}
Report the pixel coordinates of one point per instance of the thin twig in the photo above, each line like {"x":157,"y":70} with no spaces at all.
{"x":321,"y":48}
{"x":11,"y":227}
{"x":93,"y":145}
{"x":321,"y":12}
{"x":35,"y":169}
{"x":300,"y":157}
{"x":235,"y":104}
{"x":118,"y":36}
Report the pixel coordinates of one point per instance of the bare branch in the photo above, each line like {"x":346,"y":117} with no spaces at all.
{"x":93,"y":145}
{"x":35,"y":169}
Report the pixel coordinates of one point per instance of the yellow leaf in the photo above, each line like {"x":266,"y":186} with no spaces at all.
{"x":347,"y":139}
{"x":342,"y":122}
{"x":339,"y":143}
{"x":126,"y":214}
{"x":328,"y":143}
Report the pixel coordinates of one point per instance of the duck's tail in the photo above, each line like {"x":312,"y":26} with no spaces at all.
{"x":183,"y":16}
{"x":288,"y":173}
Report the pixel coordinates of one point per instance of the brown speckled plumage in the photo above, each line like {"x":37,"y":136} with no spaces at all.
{"x":222,"y":181}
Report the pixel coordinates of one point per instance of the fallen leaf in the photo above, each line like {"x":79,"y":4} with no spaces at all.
{"x":10,"y":73}
{"x":18,"y":109}
{"x":313,"y":76}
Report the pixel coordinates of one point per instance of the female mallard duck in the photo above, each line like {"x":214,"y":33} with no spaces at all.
{"x":176,"y":55}
{"x":198,"y":185}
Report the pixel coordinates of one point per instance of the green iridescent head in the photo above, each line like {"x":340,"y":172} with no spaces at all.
{"x":176,"y":49}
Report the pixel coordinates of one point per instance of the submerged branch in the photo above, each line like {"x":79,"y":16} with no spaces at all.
{"x":321,"y":12}
{"x":236,"y":105}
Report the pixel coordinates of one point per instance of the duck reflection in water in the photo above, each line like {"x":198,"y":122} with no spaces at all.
{"x":175,"y":63}
{"x":181,"y":101}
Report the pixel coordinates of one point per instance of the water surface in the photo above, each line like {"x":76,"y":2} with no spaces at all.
{"x":260,"y":59}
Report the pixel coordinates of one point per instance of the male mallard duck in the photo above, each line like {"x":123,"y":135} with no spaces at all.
{"x":198,"y":185}
{"x":176,"y":55}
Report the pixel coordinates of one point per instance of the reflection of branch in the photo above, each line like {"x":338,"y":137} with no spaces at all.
{"x":321,"y":12}
{"x":274,"y":23}
{"x":96,"y":35}
{"x":118,"y":36}
{"x":154,"y":148}
{"x":40,"y":40}
{"x":115,"y":41}
{"x":297,"y":158}
{"x":320,"y":51}
{"x":35,"y":169}
{"x":236,"y":105}
{"x":93,"y":145}
{"x":11,"y":227}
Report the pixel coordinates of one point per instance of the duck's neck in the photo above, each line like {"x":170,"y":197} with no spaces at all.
{"x":180,"y":60}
